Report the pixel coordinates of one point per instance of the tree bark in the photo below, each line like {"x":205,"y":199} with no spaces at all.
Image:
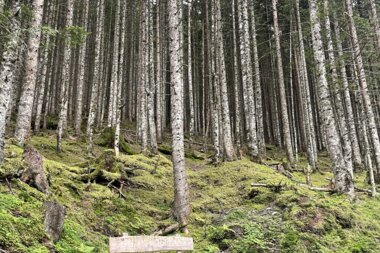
{"x":367,"y":105}
{"x":63,"y":101}
{"x":343,"y":179}
{"x":181,"y":194}
{"x":347,"y":150}
{"x":347,"y":98}
{"x":93,"y":108}
{"x":9,"y":57}
{"x":229,"y":153}
{"x":24,"y":117}
{"x":249,"y":104}
{"x":281,"y":83}
{"x":82,"y":65}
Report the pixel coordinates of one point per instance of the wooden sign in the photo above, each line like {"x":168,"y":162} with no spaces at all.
{"x":134,"y":244}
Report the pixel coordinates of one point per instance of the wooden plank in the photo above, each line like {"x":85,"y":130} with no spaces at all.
{"x":134,"y":244}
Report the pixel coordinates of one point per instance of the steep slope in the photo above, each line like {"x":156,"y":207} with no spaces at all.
{"x":228,"y":213}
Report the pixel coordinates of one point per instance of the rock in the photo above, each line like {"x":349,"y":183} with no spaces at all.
{"x":54,"y":219}
{"x":34,"y":173}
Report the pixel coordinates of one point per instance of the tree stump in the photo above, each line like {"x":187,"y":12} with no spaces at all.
{"x":34,"y":173}
{"x":54,"y":219}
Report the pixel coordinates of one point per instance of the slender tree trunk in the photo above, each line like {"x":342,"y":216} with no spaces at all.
{"x":376,"y":25}
{"x":347,"y":98}
{"x":120,"y":81}
{"x":305,"y":96}
{"x":258,"y":92}
{"x":82,"y":65}
{"x":342,"y":177}
{"x":190,"y":72}
{"x":159,"y":73}
{"x":249,"y":104}
{"x":63,"y":101}
{"x":181,"y":194}
{"x":96,"y":80}
{"x":9,"y":57}
{"x":151,"y":83}
{"x":237,"y":85}
{"x":367,"y":105}
{"x":229,"y":153}
{"x":24,"y":117}
{"x":281,"y":82}
{"x":347,"y":150}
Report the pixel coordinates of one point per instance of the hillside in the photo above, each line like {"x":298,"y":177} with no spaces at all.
{"x":229,"y":215}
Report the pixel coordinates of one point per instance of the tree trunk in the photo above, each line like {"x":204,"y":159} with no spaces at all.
{"x":181,"y":194}
{"x":24,"y":117}
{"x":96,"y":80}
{"x":63,"y":101}
{"x":343,"y":179}
{"x":347,"y":150}
{"x":258,"y":92}
{"x":281,"y":82}
{"x":9,"y":57}
{"x":249,"y":104}
{"x":347,"y":98}
{"x":190,"y":73}
{"x":229,"y":153}
{"x":305,"y":96}
{"x":82,"y":65}
{"x":236,"y":85}
{"x":367,"y":105}
{"x":376,"y":25}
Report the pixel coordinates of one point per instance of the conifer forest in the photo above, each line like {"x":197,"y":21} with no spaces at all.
{"x":247,"y":125}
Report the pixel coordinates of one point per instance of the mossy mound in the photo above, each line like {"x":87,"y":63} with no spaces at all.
{"x":228,"y":213}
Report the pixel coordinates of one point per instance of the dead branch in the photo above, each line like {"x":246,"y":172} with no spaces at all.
{"x":168,"y":230}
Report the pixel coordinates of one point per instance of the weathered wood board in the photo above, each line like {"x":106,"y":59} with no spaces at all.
{"x":134,"y":244}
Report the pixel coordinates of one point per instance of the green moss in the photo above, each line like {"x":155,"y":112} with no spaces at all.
{"x":228,"y":214}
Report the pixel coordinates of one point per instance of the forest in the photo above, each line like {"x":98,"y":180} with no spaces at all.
{"x":248,"y":125}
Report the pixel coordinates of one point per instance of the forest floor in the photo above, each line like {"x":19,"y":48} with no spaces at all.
{"x":228,"y":214}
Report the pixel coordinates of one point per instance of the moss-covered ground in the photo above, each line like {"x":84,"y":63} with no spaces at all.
{"x":228,"y":214}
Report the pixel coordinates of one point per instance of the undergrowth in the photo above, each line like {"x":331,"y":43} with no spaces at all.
{"x":228,"y":214}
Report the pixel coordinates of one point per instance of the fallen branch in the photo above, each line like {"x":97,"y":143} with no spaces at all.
{"x":279,"y":187}
{"x":320,"y":189}
{"x":362,"y":190}
{"x":118,"y":190}
{"x":276,"y":188}
{"x":9,"y":185}
{"x":168,"y":230}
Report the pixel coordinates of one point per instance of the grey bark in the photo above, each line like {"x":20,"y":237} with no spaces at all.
{"x":258,"y":92}
{"x":347,"y":150}
{"x":305,"y":96}
{"x":9,"y":57}
{"x":367,"y":105}
{"x":229,"y":153}
{"x":281,"y":83}
{"x":93,"y":108}
{"x":181,"y":194}
{"x":24,"y":117}
{"x":376,"y":24}
{"x":347,"y":98}
{"x":246,"y":59}
{"x":342,"y":177}
{"x":63,"y":100}
{"x":81,"y":73}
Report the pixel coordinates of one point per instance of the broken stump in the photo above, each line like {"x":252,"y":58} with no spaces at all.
{"x":54,"y":219}
{"x":34,"y":173}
